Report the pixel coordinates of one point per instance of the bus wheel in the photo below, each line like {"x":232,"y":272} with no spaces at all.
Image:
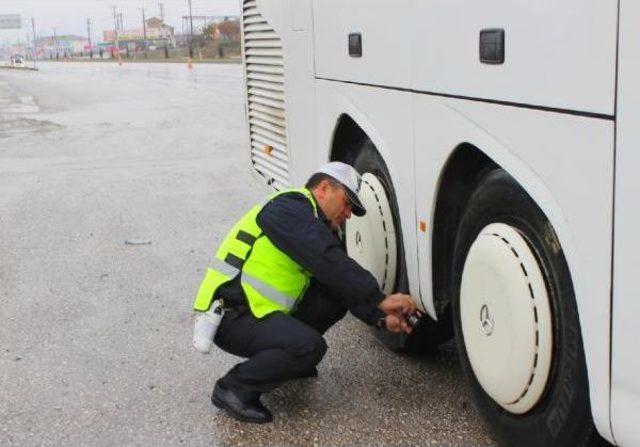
{"x":516,"y":322}
{"x":375,"y":242}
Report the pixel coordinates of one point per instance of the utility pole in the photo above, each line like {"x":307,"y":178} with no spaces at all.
{"x":55,"y":41}
{"x":121,"y":24}
{"x":191,"y":32}
{"x":35,"y":45}
{"x":161,"y":9}
{"x":144,"y":30}
{"x":115,"y":31}
{"x":89,"y":36}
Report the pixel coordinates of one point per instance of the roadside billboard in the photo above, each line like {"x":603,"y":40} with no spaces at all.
{"x":135,"y":34}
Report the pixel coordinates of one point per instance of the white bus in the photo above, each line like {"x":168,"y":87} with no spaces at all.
{"x":498,"y":150}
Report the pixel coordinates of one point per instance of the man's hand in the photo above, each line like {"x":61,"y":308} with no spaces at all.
{"x":397,"y":324}
{"x":397,"y":307}
{"x":398,"y":303}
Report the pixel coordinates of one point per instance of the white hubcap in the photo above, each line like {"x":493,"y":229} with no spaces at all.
{"x":371,"y":239}
{"x":506,"y":318}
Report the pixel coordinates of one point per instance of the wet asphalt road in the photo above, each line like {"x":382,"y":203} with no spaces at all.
{"x":96,"y":334}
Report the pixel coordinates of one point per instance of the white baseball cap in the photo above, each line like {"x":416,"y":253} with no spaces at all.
{"x":350,"y":179}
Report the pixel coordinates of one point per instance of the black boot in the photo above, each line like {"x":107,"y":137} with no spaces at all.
{"x":311,"y":372}
{"x":245,"y":409}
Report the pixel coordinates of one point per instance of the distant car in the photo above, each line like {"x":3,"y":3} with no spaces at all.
{"x":17,"y":61}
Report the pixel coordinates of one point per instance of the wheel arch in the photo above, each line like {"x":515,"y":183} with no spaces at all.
{"x":347,"y":133}
{"x":458,"y":178}
{"x":345,"y":146}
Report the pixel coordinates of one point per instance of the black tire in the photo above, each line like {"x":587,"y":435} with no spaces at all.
{"x":429,"y":334}
{"x":562,"y":416}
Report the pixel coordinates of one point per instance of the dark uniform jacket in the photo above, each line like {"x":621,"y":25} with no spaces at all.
{"x":288,"y":221}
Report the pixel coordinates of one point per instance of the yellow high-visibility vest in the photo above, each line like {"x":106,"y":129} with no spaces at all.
{"x":271,"y":280}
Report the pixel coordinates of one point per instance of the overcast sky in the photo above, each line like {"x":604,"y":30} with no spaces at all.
{"x":70,"y":16}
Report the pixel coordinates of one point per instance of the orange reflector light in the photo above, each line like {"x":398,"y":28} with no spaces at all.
{"x":267,"y":149}
{"x":423,"y":226}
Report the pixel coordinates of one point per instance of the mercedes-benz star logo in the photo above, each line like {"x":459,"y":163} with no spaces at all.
{"x":486,"y":321}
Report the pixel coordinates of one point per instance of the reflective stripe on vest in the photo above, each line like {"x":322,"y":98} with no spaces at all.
{"x":271,"y":280}
{"x":224,"y":268}
{"x":269,"y":292}
{"x":262,"y":287}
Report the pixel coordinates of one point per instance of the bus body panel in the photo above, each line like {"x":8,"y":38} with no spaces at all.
{"x":522,"y":142}
{"x":537,"y":147}
{"x":299,"y":90}
{"x":385,"y":33}
{"x":527,"y":144}
{"x":544,"y":64}
{"x":292,"y":21}
{"x":273,"y":12}
{"x":625,"y":386}
{"x":433,"y":46}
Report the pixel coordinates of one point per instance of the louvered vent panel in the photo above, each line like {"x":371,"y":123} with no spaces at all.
{"x":264,"y":70}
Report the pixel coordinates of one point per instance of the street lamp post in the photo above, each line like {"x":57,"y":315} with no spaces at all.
{"x":191,"y":32}
{"x":35,"y":45}
{"x":89,"y":36}
{"x":55,"y":42}
{"x":115,"y":34}
{"x":144,"y":31}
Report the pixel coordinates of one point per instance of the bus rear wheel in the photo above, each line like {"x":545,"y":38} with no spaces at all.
{"x":516,"y":322}
{"x":375,"y":241}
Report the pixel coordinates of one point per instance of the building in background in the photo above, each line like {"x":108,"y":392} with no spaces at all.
{"x":65,"y":46}
{"x":158,"y":34}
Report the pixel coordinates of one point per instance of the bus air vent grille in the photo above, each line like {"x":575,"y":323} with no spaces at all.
{"x":264,"y":74}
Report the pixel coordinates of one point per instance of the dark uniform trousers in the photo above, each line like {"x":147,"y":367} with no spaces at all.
{"x":279,"y":346}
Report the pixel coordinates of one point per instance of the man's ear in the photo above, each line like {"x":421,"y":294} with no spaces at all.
{"x":322,"y":187}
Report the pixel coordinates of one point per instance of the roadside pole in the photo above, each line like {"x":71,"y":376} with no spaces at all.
{"x":115,"y":30}
{"x":35,"y":45}
{"x":55,"y":42}
{"x":89,"y":36}
{"x":190,"y":32}
{"x":144,"y":30}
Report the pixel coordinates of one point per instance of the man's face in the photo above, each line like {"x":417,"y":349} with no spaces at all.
{"x":334,"y":203}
